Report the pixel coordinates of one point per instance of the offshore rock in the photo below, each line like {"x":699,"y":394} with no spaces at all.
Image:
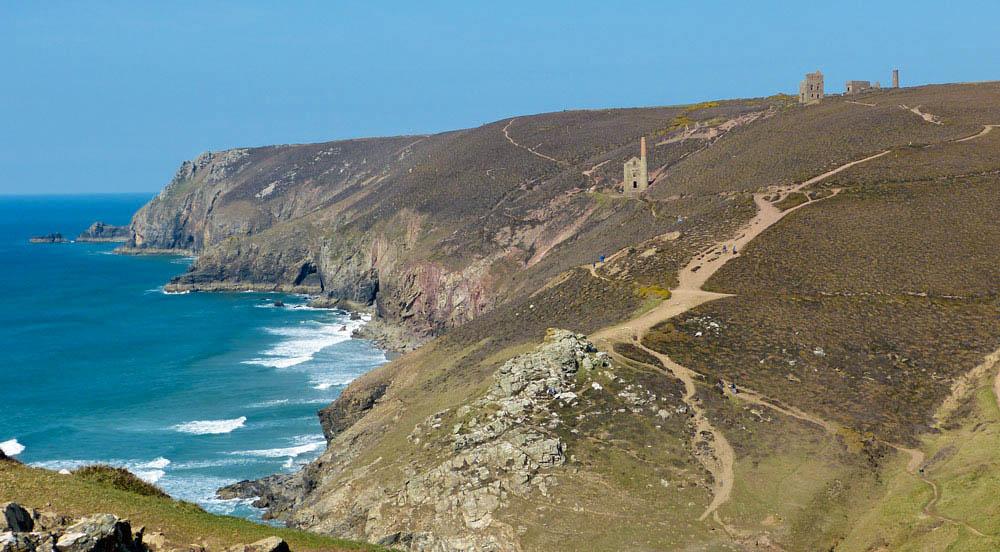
{"x":101,"y":232}
{"x":54,"y":237}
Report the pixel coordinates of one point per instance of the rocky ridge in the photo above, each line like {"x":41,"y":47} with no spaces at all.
{"x":511,"y":443}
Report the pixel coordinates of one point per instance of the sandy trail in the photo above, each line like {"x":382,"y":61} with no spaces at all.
{"x":933,"y":119}
{"x":687,"y":295}
{"x":986,"y":130}
{"x":531,"y":150}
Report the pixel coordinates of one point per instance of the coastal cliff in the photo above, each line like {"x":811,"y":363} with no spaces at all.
{"x":427,"y":232}
{"x":771,"y":403}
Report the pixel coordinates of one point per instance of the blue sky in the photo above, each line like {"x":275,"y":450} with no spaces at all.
{"x":112,"y":96}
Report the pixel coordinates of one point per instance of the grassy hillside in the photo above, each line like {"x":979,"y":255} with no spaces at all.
{"x":182,"y":523}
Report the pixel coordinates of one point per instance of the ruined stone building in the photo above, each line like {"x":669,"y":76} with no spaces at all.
{"x":636,"y":173}
{"x":857,"y":86}
{"x":895,"y":78}
{"x":811,"y":89}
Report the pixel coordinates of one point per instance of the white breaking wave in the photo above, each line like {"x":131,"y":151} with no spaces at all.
{"x":306,"y":443}
{"x":149,"y":476}
{"x":211,"y":427}
{"x":157,"y":464}
{"x":302,"y":342}
{"x":282,"y":402}
{"x":150,"y":472}
{"x":11,"y":447}
{"x":323,"y":383}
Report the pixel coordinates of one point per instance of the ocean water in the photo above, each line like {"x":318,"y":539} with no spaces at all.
{"x":190,"y":391}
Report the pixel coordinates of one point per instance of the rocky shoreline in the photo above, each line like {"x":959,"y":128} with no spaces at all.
{"x":126,"y":250}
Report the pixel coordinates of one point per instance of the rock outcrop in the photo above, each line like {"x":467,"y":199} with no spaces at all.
{"x":475,"y":459}
{"x":101,"y":232}
{"x":24,"y":530}
{"x":54,"y":237}
{"x":36,"y":531}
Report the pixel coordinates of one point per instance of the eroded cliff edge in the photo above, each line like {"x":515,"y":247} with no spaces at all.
{"x":428,"y":232}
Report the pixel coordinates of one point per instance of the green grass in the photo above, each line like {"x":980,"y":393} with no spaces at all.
{"x":100,"y":490}
{"x":963,"y":461}
{"x":118,"y":478}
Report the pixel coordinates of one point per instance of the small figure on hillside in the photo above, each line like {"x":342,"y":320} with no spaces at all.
{"x":734,"y":250}
{"x":732,"y":386}
{"x":602,"y":258}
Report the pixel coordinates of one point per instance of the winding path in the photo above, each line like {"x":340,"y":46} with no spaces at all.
{"x":986,"y":130}
{"x":506,"y":133}
{"x":720,"y":458}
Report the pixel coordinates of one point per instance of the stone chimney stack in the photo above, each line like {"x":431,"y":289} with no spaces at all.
{"x":895,"y":78}
{"x":642,"y":150}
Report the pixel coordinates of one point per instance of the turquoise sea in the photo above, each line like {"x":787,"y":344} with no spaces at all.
{"x":190,"y":391}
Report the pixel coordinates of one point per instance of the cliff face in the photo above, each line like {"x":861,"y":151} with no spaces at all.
{"x":429,"y":231}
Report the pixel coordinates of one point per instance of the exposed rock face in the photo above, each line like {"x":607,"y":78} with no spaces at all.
{"x":15,"y":518}
{"x":45,"y":531}
{"x":341,"y":414}
{"x":98,"y":533}
{"x":48,"y":532}
{"x":101,"y":232}
{"x":277,"y":493}
{"x":428,"y":231}
{"x":55,"y":237}
{"x":270,"y":544}
{"x":476,"y":459}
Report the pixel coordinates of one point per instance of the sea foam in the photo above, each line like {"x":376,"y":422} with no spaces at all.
{"x":150,"y":472}
{"x":211,"y":427}
{"x":303,"y":444}
{"x":301,"y":343}
{"x":11,"y":447}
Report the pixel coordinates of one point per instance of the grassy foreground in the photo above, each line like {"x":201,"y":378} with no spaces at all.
{"x":181,"y":522}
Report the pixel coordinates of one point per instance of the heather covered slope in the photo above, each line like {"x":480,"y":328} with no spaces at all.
{"x":851,"y":324}
{"x":431,"y":230}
